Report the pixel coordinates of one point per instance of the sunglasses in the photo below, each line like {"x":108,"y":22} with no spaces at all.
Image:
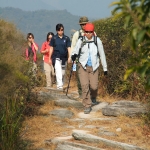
{"x":82,"y":24}
{"x":88,"y":31}
{"x":61,"y":30}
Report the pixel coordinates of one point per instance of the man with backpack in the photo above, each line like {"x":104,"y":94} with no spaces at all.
{"x":82,"y":21}
{"x":59,"y":54}
{"x":80,"y":33}
{"x":89,"y":50}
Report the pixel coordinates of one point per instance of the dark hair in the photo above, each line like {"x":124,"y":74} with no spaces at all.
{"x":59,"y":26}
{"x":48,"y":34}
{"x":30,"y":34}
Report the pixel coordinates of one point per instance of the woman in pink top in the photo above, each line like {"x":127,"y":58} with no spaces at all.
{"x":49,"y":70}
{"x":30,"y":52}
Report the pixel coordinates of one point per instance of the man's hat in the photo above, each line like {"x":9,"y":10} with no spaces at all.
{"x":83,"y":20}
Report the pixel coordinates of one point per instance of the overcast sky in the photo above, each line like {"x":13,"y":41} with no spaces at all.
{"x":95,"y":9}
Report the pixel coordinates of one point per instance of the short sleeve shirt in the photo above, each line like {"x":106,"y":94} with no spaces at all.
{"x":60,"y":44}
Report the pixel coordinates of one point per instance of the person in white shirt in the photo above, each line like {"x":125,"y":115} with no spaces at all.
{"x":88,"y":62}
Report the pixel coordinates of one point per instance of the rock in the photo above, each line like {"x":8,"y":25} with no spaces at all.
{"x":57,"y":140}
{"x":83,"y":135}
{"x":102,"y":119}
{"x":85,"y":116}
{"x":70,"y":127}
{"x":62,"y":113}
{"x":67,"y":147}
{"x":81,"y":125}
{"x":103,"y":128}
{"x":77,"y":120}
{"x":77,"y":145}
{"x":107,"y":133}
{"x":90,"y":127}
{"x":127,"y":108}
{"x":69,"y":103}
{"x":118,"y":129}
{"x":99,"y":106}
{"x":43,"y":97}
{"x":42,"y":149}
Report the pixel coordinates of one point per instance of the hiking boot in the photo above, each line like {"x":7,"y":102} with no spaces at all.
{"x":94,"y":102}
{"x":87,"y":110}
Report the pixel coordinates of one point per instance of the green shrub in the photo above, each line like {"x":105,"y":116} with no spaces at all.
{"x":16,"y":85}
{"x":118,"y":54}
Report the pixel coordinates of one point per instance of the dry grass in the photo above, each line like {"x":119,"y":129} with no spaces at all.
{"x":44,"y":127}
{"x":41,"y":128}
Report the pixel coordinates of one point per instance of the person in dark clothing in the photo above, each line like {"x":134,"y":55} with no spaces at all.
{"x":59,"y":54}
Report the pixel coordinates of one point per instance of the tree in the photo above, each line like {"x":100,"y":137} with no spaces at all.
{"x":137,"y":14}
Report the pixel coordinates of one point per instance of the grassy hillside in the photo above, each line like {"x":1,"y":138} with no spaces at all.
{"x":16,"y":83}
{"x":40,"y":22}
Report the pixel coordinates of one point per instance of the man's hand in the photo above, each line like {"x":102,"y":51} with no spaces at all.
{"x":73,"y":57}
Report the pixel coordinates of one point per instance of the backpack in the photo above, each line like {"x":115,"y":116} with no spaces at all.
{"x":84,"y":42}
{"x":80,"y":35}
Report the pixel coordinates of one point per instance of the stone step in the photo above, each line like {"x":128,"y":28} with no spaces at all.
{"x":46,"y":96}
{"x":85,"y":136}
{"x":62,"y":113}
{"x":124,"y":107}
{"x":67,"y":147}
{"x":68,"y":103}
{"x":72,"y":144}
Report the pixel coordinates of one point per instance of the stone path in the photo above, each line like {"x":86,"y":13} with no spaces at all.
{"x":91,"y":141}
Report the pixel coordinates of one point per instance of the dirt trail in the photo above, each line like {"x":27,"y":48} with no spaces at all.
{"x":60,"y":119}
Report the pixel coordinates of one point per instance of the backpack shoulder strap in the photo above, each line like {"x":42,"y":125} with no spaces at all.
{"x":80,"y":35}
{"x":82,"y":44}
{"x":95,"y":40}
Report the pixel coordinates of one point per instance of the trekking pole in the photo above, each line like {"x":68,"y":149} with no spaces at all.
{"x":69,"y":78}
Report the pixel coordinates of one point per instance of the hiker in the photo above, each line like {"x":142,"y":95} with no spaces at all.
{"x":48,"y":68}
{"x":31,"y":51}
{"x":82,"y":22}
{"x":89,"y":53}
{"x":59,"y":54}
{"x":78,"y":34}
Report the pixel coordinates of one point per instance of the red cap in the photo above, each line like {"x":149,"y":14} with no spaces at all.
{"x":89,"y":27}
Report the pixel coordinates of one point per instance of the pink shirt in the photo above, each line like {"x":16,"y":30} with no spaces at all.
{"x":34,"y":53}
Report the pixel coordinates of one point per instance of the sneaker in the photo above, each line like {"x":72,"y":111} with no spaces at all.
{"x":87,"y":110}
{"x":60,"y":88}
{"x":94,"y":102}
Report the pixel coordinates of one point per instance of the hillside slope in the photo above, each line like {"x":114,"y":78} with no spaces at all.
{"x":40,"y":22}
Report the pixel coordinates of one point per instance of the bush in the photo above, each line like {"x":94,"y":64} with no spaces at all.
{"x":16,"y":84}
{"x":118,"y":53}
